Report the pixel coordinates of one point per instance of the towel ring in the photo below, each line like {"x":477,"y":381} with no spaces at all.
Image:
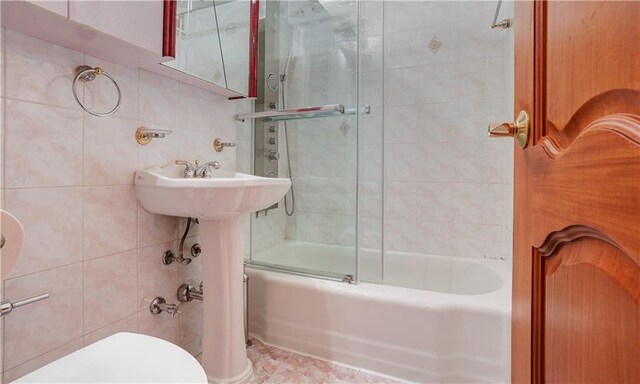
{"x":85,"y":73}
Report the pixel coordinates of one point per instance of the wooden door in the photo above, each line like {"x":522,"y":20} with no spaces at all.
{"x":576,"y":282}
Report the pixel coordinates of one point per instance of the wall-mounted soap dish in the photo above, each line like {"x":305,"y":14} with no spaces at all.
{"x":144,"y":135}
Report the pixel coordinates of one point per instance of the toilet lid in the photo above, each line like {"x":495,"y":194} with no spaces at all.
{"x":123,"y":357}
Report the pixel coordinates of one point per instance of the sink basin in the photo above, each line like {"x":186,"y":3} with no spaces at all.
{"x":163,"y":190}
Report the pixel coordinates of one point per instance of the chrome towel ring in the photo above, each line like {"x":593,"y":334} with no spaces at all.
{"x":85,"y":73}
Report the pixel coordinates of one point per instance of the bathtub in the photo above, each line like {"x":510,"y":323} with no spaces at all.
{"x":456,"y":328}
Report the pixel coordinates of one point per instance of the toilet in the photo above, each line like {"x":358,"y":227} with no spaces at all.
{"x":123,"y":357}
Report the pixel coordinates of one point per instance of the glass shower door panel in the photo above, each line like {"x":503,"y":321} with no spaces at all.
{"x":313,"y":230}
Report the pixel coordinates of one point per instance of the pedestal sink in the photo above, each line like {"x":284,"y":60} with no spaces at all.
{"x":220,"y":204}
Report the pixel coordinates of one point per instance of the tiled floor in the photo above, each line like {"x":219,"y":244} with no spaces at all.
{"x":273,"y":365}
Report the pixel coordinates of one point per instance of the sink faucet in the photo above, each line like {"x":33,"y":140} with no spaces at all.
{"x":198,"y":170}
{"x":204,"y":170}
{"x":190,"y":169}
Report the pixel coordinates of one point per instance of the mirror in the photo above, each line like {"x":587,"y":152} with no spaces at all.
{"x":234,"y":21}
{"x":212,"y":42}
{"x":197,"y":47}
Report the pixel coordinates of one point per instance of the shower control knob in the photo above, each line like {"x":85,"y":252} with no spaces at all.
{"x":272,"y":141}
{"x":272,"y":129}
{"x":273,"y":156}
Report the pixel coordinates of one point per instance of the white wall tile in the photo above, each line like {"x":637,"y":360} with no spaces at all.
{"x":401,"y":200}
{"x":109,"y":224}
{"x":403,"y":86}
{"x":110,"y":285}
{"x":43,"y":146}
{"x":402,"y":49}
{"x":400,"y":235}
{"x":401,"y":15}
{"x":194,"y":109}
{"x":438,"y":33}
{"x":435,"y":13}
{"x":54,"y":65}
{"x":49,"y":324}
{"x":436,"y":83}
{"x":110,"y":150}
{"x":159,"y":98}
{"x":52,"y":220}
{"x":401,"y":124}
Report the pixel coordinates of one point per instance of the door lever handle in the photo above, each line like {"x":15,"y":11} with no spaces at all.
{"x":518,"y":129}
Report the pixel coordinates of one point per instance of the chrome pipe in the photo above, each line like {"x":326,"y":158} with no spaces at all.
{"x":245,"y":281}
{"x":188,"y":293}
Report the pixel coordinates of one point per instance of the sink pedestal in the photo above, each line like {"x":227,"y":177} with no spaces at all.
{"x":221,"y":203}
{"x":224,"y":354}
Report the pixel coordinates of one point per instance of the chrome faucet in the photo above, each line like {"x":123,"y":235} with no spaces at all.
{"x":204,"y":170}
{"x":197,"y":170}
{"x":189,"y":170}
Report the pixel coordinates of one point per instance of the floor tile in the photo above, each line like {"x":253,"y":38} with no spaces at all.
{"x":304,"y":369}
{"x":272,"y":365}
{"x":266,"y":360}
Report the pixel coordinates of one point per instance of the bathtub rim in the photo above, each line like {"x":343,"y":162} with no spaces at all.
{"x":497,"y":301}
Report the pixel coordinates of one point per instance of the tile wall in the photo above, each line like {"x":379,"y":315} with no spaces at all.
{"x":448,"y":187}
{"x":68,"y":177}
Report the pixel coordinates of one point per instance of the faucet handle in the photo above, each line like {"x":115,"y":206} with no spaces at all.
{"x":185,"y":162}
{"x":172,"y":310}
{"x":159,"y":305}
{"x":189,"y":171}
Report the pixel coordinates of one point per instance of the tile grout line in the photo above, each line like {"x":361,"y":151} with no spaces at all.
{"x":278,"y":368}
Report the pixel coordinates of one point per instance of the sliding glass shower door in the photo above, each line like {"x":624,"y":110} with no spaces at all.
{"x":308,"y":58}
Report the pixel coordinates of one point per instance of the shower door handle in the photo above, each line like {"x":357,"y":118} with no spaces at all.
{"x":518,"y":129}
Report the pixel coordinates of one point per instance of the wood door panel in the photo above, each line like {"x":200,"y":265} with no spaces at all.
{"x":595,"y":182}
{"x":589,"y":51}
{"x":576,"y":261}
{"x":590,"y":296}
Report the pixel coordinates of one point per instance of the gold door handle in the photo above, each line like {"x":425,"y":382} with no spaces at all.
{"x":518,"y":129}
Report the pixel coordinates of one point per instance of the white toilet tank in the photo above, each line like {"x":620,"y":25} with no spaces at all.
{"x":123,"y":357}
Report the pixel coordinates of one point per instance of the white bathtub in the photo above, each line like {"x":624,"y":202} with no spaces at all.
{"x":458,"y":331}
